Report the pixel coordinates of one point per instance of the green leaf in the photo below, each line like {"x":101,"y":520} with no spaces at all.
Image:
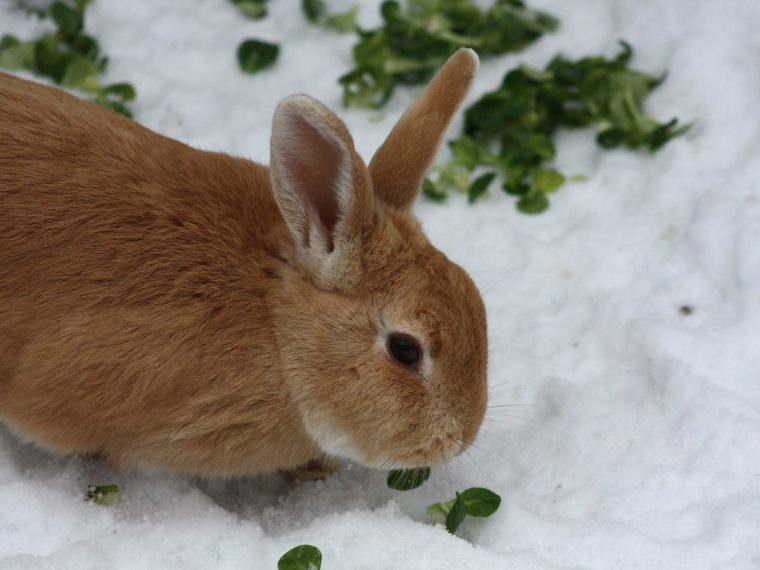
{"x":366,"y":88}
{"x":534,"y":202}
{"x":453,"y":176}
{"x":611,"y":138}
{"x":480,"y":186}
{"x":255,"y":55}
{"x":19,"y":56}
{"x":456,"y":515}
{"x":51,"y":57}
{"x":304,"y":557}
{"x":8,"y":41}
{"x":437,"y":512}
{"x":547,"y":180}
{"x":468,"y":152}
{"x":516,"y":189}
{"x":314,"y":10}
{"x":80,"y":73}
{"x":475,"y":501}
{"x":125,"y":91}
{"x":433,"y":192}
{"x":407,"y":479}
{"x":86,"y":47}
{"x":658,"y":137}
{"x":80,"y":5}
{"x":480,"y":502}
{"x":106,"y":495}
{"x":68,"y":20}
{"x":253,"y":9}
{"x":343,"y":21}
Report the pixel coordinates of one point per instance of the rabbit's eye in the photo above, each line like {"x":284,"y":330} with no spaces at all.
{"x":404,"y":349}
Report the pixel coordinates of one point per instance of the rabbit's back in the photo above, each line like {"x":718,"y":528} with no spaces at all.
{"x":88,"y":195}
{"x":135,"y":273}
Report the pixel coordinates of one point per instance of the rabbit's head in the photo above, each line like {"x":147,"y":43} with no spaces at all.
{"x":382,"y":337}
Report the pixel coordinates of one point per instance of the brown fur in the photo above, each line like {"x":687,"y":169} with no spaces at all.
{"x":165,"y":307}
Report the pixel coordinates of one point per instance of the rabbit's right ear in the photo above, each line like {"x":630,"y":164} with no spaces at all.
{"x":321,"y":186}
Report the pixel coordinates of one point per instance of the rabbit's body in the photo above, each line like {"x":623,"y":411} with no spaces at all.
{"x":165,"y":307}
{"x":131,"y":258}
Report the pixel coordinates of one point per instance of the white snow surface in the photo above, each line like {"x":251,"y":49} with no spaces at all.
{"x":623,"y":434}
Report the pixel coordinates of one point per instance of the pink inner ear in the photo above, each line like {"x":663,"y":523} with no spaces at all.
{"x":315,"y":173}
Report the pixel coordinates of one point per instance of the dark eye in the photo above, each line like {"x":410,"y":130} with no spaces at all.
{"x":404,"y":349}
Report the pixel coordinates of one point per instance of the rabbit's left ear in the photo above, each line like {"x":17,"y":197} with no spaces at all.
{"x":320,"y":183}
{"x":400,"y":164}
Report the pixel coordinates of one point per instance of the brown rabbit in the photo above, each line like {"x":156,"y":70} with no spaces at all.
{"x":165,"y":307}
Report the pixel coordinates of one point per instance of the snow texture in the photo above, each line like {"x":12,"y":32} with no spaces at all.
{"x":623,"y":433}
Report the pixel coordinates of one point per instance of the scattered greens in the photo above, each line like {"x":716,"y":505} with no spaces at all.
{"x":474,"y":502}
{"x":68,"y":56}
{"x":253,"y":9}
{"x":255,"y":55}
{"x":407,"y":479}
{"x":304,"y":557}
{"x":509,"y":130}
{"x":103,"y":494}
{"x":316,"y":12}
{"x":416,"y":39}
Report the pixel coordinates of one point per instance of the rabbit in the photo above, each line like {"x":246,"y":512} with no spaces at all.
{"x":170,"y":309}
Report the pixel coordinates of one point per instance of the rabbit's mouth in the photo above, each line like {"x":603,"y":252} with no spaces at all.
{"x":441,"y":450}
{"x":438,"y":451}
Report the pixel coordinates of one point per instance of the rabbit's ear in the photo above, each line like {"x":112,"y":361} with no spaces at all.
{"x":400,"y":164}
{"x":319,"y":182}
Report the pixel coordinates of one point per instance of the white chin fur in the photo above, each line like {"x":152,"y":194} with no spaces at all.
{"x":333,"y":441}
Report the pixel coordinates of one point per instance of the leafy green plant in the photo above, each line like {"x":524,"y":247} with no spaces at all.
{"x":473,"y":502}
{"x":253,"y":9}
{"x":103,"y":494}
{"x":509,"y":131}
{"x":68,"y":56}
{"x":304,"y":557}
{"x":407,"y":479}
{"x":255,"y":55}
{"x":316,"y":12}
{"x":415,"y":40}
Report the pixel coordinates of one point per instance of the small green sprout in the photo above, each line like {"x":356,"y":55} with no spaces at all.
{"x":304,"y":557}
{"x":474,"y":502}
{"x":511,"y":129}
{"x":316,"y":12}
{"x":68,"y":56}
{"x":253,"y":9}
{"x":103,"y":494}
{"x":407,"y":479}
{"x":255,"y":55}
{"x":432,"y":192}
{"x":480,"y":186}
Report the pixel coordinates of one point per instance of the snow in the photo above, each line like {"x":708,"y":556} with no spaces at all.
{"x":624,"y":434}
